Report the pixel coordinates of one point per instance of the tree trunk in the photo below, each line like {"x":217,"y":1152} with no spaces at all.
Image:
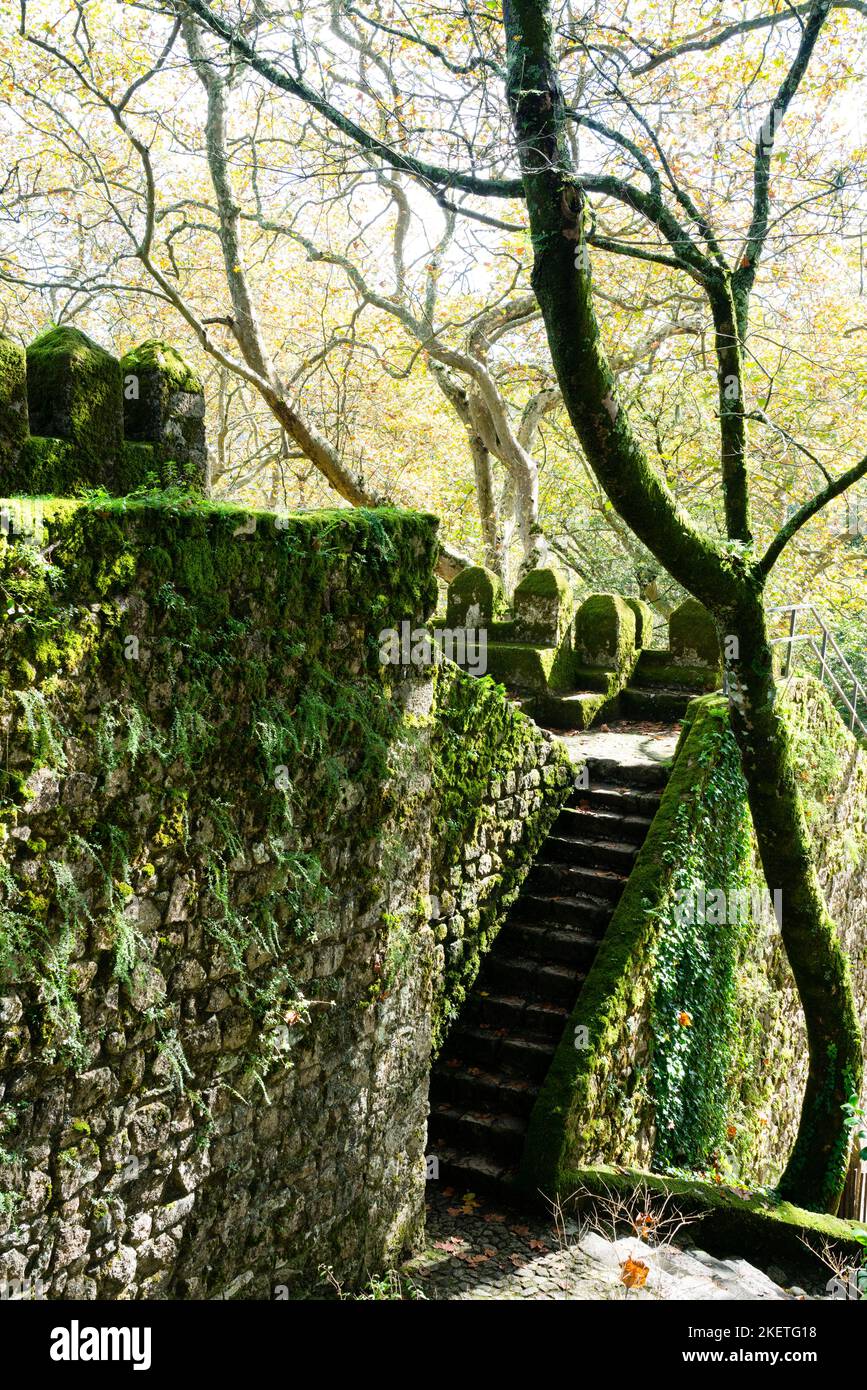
{"x":492,"y":538}
{"x":730,"y":587}
{"x":816,"y":1170}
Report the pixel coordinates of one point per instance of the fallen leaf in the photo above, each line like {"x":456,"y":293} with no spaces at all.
{"x":633,"y":1273}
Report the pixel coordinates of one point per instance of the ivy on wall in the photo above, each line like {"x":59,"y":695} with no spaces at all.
{"x":694,"y":1008}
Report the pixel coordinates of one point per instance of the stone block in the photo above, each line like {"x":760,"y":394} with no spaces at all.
{"x":164,"y":405}
{"x":13,"y":400}
{"x":643,"y":621}
{"x":475,"y":599}
{"x":692,"y":636}
{"x":605,"y":632}
{"x":543,"y":605}
{"x":74,"y":393}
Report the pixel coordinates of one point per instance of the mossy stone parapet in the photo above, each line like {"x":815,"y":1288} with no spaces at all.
{"x":74,"y":393}
{"x":271,"y":752}
{"x":543,"y":606}
{"x":164,"y":404}
{"x":726,"y":1223}
{"x":605,"y":632}
{"x":13,"y":398}
{"x":692,"y":636}
{"x":475,"y":598}
{"x":63,"y":429}
{"x":520,"y":666}
{"x":643,"y":621}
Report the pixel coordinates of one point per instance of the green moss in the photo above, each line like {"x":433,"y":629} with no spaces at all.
{"x":571,"y":710}
{"x":605,"y":632}
{"x":692,"y":636}
{"x":480,"y":739}
{"x":519,"y":666}
{"x":543,"y":583}
{"x":543,"y":605}
{"x":13,"y":402}
{"x":74,"y":392}
{"x":694,"y":1067}
{"x":478,"y":589}
{"x":732,"y":1223}
{"x":643,"y":621}
{"x":158,"y":356}
{"x":655,"y":668}
{"x":58,"y":467}
{"x":566,"y":1128}
{"x":247,"y":634}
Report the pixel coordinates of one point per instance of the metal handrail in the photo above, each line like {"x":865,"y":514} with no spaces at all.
{"x":792,"y":638}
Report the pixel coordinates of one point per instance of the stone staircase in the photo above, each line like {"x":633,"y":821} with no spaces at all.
{"x":497,"y":1054}
{"x":657,"y":691}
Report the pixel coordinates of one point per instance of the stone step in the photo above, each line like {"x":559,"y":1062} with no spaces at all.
{"x":655,"y":704}
{"x":626,"y":800}
{"x":563,"y":711}
{"x":523,"y":976}
{"x":501,"y":1047}
{"x":543,"y":941}
{"x":473,"y":1088}
{"x":526,"y":1057}
{"x":634,"y":776}
{"x":591,"y":822}
{"x":471,"y":1172}
{"x":591,"y":914}
{"x":571,"y":879}
{"x":518,"y":1014}
{"x":499,"y":1136}
{"x":600,"y":854}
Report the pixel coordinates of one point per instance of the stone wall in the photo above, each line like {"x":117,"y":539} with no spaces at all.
{"x":498,"y":784}
{"x":695,"y":1053}
{"x":222,"y":823}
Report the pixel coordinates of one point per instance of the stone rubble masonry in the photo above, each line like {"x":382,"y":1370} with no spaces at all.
{"x":498,"y":784}
{"x":222,"y":826}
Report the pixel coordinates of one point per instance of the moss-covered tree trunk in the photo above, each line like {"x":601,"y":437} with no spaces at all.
{"x":816,"y":1170}
{"x":726,"y":578}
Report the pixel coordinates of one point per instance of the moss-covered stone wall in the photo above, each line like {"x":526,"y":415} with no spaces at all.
{"x":498,"y":784}
{"x":693,"y":1048}
{"x":223,"y":825}
{"x":215,"y":963}
{"x":833,"y":771}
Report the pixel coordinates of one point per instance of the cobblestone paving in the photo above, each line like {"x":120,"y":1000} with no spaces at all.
{"x":478,"y":1248}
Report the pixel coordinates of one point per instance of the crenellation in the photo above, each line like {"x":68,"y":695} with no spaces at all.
{"x":73,"y":417}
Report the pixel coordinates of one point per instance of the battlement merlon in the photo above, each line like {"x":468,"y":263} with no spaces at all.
{"x":73,"y":417}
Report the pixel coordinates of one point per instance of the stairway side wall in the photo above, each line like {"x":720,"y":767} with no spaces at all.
{"x":216,"y":968}
{"x":222,"y":821}
{"x":834,"y":783}
{"x":498,"y":782}
{"x":693,"y":1050}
